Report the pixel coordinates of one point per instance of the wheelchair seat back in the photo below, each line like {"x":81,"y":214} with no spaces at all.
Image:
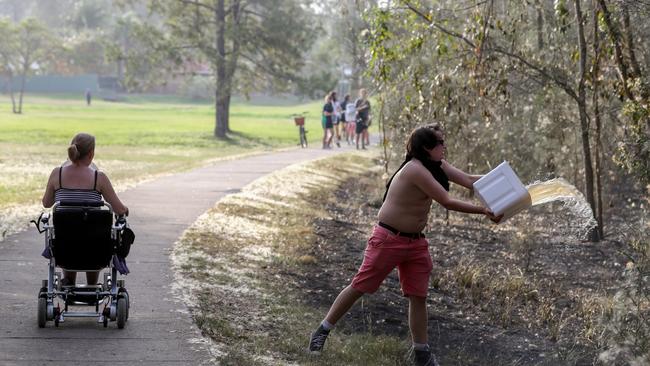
{"x":82,"y":237}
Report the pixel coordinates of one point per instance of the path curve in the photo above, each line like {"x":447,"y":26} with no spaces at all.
{"x":160,"y":329}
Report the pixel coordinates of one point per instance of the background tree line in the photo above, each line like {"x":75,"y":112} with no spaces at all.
{"x":294,"y":47}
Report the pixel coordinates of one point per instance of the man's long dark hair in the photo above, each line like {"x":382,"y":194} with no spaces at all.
{"x":423,"y":139}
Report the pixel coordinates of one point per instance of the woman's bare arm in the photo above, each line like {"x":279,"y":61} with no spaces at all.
{"x":48,"y":196}
{"x":106,"y":189}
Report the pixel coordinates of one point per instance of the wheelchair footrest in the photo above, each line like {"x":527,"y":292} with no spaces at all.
{"x":83,"y":297}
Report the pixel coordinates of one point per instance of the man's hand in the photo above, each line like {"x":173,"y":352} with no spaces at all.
{"x":492,"y":217}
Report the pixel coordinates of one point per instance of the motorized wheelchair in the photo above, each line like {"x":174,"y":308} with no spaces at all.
{"x":81,"y":236}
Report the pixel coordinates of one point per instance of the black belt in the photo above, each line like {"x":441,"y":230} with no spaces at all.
{"x":397,"y":232}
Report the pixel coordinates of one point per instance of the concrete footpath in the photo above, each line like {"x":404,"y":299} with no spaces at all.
{"x":160,"y":329}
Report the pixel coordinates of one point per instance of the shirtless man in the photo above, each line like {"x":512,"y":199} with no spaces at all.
{"x":397,"y":239}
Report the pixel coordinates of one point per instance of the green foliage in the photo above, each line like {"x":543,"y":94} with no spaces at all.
{"x":562,"y":14}
{"x":8,"y":48}
{"x":348,"y":32}
{"x":90,"y":14}
{"x":146,"y":53}
{"x":259,"y":52}
{"x":502,"y":80}
{"x":27,"y":48}
{"x":633,"y":151}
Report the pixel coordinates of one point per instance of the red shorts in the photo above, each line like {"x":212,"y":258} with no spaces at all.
{"x":384,"y":252}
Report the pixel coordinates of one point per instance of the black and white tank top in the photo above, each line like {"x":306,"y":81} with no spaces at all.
{"x":76,"y":194}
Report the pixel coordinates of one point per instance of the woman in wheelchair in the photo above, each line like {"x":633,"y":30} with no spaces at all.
{"x":79,"y":180}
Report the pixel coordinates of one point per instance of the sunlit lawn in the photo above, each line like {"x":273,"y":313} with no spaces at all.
{"x":136,"y":139}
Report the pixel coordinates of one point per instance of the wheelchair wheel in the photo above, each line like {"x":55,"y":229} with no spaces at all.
{"x":121,"y":312}
{"x":125,"y":294}
{"x":42,"y":312}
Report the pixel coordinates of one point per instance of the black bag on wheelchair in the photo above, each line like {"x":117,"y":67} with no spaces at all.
{"x":125,"y":239}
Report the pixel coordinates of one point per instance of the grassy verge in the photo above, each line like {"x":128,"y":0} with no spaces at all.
{"x":236,"y":261}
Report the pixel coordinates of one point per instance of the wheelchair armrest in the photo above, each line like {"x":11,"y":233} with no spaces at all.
{"x":120,"y":223}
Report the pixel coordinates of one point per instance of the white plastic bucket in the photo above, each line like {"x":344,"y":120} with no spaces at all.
{"x":502,"y":192}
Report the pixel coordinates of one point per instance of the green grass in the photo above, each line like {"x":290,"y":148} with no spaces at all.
{"x":141,"y":137}
{"x":136,"y":122}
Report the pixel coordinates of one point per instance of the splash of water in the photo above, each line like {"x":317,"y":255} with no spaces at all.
{"x":560,"y":190}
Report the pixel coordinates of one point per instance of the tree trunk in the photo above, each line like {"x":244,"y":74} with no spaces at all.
{"x":227,"y":112}
{"x":384,"y":139}
{"x":222,"y":100}
{"x":598,"y":121}
{"x":10,"y":90}
{"x":23,"y":79}
{"x":584,"y":123}
{"x":629,"y":39}
{"x":221,"y":113}
{"x":120,"y":75}
{"x":235,"y":10}
{"x":540,"y":26}
{"x":615,"y":36}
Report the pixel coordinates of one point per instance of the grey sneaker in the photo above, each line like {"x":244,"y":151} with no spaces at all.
{"x":424,"y":358}
{"x":318,"y":339}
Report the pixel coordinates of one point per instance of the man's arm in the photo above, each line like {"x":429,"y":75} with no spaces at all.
{"x":424,"y":181}
{"x":458,"y":176}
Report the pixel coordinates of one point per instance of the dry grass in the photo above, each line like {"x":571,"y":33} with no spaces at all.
{"x":526,"y":289}
{"x":229,"y":260}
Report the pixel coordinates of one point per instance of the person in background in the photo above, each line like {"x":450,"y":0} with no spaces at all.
{"x":398,"y":241}
{"x":328,"y":125}
{"x":344,"y":119}
{"x":336,"y":118}
{"x":89,"y":97}
{"x":350,"y":117}
{"x":362,"y":106}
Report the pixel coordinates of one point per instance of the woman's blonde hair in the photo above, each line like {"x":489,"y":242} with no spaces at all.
{"x":328,"y":97}
{"x":80,"y":146}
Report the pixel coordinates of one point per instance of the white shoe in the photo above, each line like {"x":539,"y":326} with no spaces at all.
{"x":61,"y":319}
{"x":100,"y":319}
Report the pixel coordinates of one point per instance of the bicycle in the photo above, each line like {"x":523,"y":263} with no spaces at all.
{"x":299,"y":120}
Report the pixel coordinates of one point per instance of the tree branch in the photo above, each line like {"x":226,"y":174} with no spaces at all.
{"x":615,"y":36}
{"x":197,"y":3}
{"x":438,"y":26}
{"x":562,"y":83}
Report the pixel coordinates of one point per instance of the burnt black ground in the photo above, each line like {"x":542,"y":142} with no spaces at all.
{"x":462,"y":332}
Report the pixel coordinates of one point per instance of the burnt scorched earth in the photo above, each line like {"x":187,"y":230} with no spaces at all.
{"x":513,"y":294}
